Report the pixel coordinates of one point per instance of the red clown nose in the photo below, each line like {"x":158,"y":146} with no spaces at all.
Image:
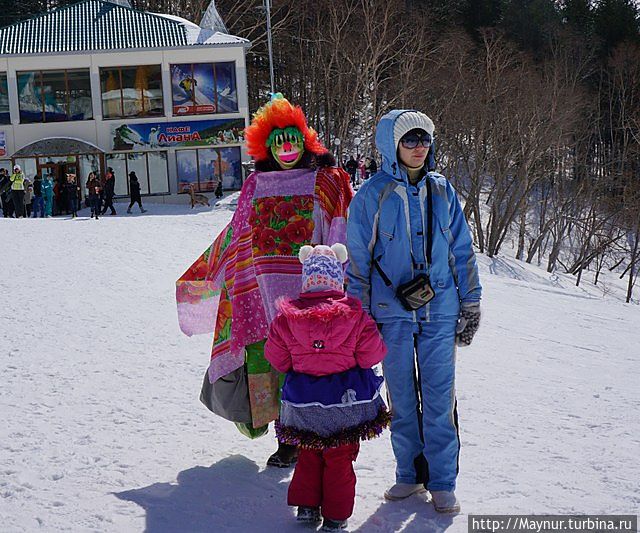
{"x":286,"y":147}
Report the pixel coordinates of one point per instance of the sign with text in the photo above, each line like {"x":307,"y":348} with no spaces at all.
{"x":178,"y":134}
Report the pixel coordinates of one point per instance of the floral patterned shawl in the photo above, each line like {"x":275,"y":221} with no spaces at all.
{"x":233,"y":286}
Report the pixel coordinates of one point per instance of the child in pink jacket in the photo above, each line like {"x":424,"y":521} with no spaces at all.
{"x":331,"y":399}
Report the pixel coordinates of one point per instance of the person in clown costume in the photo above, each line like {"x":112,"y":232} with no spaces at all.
{"x":295,"y":197}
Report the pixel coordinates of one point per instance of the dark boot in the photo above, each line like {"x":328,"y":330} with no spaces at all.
{"x":308,"y":514}
{"x":285,"y":456}
{"x":333,"y":525}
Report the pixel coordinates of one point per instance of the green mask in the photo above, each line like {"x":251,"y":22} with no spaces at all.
{"x":287,"y":146}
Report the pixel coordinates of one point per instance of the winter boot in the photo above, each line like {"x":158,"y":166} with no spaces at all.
{"x":400,"y":491}
{"x":129,"y":211}
{"x":143,"y":210}
{"x":445,"y":501}
{"x":285,"y":456}
{"x":308,"y":514}
{"x":333,"y":525}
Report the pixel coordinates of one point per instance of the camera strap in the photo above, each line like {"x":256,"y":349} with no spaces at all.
{"x":384,"y":277}
{"x":429,"y":221}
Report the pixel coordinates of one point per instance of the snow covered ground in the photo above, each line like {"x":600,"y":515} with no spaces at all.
{"x":102,"y":429}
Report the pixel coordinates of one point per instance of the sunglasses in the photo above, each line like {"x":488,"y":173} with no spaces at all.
{"x":413,"y":140}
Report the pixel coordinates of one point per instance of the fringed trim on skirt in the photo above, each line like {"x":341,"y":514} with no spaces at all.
{"x":310,"y":440}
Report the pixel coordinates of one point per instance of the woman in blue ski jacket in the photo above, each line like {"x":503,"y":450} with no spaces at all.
{"x":414,"y":269}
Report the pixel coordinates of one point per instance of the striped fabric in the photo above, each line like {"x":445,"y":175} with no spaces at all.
{"x":94,"y":25}
{"x":249,"y":280}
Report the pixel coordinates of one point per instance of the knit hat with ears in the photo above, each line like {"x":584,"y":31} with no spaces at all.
{"x":322,"y":267}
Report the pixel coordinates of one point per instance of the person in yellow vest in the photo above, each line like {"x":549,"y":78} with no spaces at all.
{"x":17,"y":191}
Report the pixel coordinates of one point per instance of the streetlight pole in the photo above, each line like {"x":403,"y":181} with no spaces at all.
{"x":267,"y":4}
{"x":337,"y":142}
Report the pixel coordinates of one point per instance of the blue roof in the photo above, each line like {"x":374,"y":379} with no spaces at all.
{"x":100,"y":25}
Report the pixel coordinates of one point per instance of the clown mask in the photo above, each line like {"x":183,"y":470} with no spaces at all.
{"x":287,"y":146}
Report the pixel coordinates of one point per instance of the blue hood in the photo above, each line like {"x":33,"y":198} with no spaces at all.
{"x":389,"y":151}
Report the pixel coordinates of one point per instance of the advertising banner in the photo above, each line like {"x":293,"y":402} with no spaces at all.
{"x":203,"y":88}
{"x":3,"y":144}
{"x":178,"y":134}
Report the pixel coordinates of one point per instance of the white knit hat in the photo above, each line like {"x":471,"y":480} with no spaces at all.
{"x":322,"y":267}
{"x":411,"y":120}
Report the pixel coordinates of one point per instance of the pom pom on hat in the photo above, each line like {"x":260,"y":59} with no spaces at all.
{"x":304,"y":252}
{"x":341,"y":252}
{"x":411,"y":120}
{"x":322,"y":267}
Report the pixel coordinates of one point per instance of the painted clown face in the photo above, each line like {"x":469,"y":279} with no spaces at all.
{"x":287,"y":146}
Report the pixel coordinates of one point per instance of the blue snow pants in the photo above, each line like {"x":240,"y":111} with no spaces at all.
{"x":419,"y":371}
{"x":48,"y":204}
{"x":38,"y":206}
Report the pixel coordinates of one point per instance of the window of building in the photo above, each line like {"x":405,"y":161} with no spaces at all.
{"x":89,"y":163}
{"x":29,"y":166}
{"x":4,"y":99}
{"x":203,"y":168}
{"x":150,"y":168}
{"x":204,"y":88}
{"x":54,"y":95}
{"x":131,"y":91}
{"x":6,"y":164}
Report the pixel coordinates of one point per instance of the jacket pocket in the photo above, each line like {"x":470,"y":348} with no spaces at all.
{"x":385,"y":235}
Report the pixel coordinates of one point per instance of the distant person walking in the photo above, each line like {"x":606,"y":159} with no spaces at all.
{"x":372,"y":167}
{"x":28,"y":197}
{"x":71,"y":188}
{"x":109,"y":191}
{"x":17,"y":191}
{"x":5,"y":194}
{"x":351,"y":167}
{"x":134,"y":190}
{"x":362,"y":172}
{"x":47,"y":195}
{"x":38,"y":202}
{"x":94,"y":187}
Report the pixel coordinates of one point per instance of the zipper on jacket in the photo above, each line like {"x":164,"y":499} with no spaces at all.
{"x":394,"y":168}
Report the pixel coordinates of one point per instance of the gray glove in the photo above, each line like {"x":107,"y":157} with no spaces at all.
{"x":468,"y":323}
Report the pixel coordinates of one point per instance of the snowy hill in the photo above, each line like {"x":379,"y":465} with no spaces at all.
{"x":103,"y":431}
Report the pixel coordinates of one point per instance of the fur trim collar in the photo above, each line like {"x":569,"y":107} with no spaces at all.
{"x":324,"y":310}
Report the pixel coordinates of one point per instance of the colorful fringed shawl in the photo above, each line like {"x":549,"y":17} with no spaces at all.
{"x":232,"y":287}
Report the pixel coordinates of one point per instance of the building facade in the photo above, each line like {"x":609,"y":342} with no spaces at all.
{"x":98,"y":84}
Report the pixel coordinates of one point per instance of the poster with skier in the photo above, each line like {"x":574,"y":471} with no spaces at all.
{"x":203,"y":88}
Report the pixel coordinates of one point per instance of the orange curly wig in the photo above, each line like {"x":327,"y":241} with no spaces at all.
{"x":279,"y":113}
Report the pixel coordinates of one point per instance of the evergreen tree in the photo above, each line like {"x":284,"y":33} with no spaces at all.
{"x":14,"y":11}
{"x":478,"y":14}
{"x":530,"y":22}
{"x":616,"y":21}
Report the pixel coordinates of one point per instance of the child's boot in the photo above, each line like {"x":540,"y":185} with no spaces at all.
{"x":308,"y":514}
{"x":333,"y":525}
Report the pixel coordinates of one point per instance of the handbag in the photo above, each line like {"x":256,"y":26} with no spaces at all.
{"x":228,"y":396}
